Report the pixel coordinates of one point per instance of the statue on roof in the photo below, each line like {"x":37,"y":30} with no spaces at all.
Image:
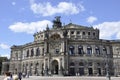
{"x":57,"y":22}
{"x":57,"y":18}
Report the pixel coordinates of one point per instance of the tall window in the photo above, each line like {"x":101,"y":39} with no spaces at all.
{"x":32,"y":52}
{"x":104,"y":51}
{"x":97,"y":51}
{"x":94,"y":34}
{"x":71,"y":50}
{"x":83,"y":33}
{"x":89,"y":50}
{"x":80,"y":50}
{"x":37,"y":52}
{"x":88,"y":33}
{"x":27,"y":53}
{"x":42,"y":51}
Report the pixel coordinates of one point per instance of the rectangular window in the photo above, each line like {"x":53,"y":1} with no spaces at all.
{"x":72,"y":32}
{"x":93,"y":34}
{"x":80,"y":50}
{"x":71,"y":50}
{"x":97,"y":51}
{"x":83,"y":33}
{"x":89,"y":51}
{"x":88,"y":33}
{"x":78,"y":32}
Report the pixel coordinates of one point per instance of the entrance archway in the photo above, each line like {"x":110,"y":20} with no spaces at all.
{"x":90,"y":71}
{"x":55,"y":67}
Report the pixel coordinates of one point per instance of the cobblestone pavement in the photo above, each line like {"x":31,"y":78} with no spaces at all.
{"x":65,"y":78}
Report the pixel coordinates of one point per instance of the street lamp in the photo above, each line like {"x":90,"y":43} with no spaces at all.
{"x":107,"y":56}
{"x":108,"y":77}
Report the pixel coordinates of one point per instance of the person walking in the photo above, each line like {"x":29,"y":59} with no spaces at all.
{"x":19,"y":75}
{"x":8,"y":76}
{"x":15,"y":76}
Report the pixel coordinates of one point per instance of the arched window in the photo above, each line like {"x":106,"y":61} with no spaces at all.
{"x":32,"y":52}
{"x":27,"y":53}
{"x":81,"y":64}
{"x":90,"y":63}
{"x":97,"y":50}
{"x":71,"y":50}
{"x":36,"y":68}
{"x":80,"y":50}
{"x":83,"y":33}
{"x":89,"y":50}
{"x":98,"y":64}
{"x":104,"y":51}
{"x":37,"y":52}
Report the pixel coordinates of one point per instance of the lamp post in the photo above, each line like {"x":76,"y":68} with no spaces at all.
{"x":107,"y":69}
{"x":108,"y":77}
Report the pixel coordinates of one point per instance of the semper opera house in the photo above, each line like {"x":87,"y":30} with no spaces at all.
{"x":66,"y":50}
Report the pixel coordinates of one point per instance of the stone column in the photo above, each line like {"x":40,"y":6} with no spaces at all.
{"x":86,"y":69}
{"x":45,"y":67}
{"x":95,"y":71}
{"x":60,"y":66}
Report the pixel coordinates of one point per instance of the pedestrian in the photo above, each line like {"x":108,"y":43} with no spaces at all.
{"x":19,"y":75}
{"x":8,"y":76}
{"x":28,"y":74}
{"x":15,"y":76}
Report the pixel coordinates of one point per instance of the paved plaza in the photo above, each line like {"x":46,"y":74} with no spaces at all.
{"x":65,"y":78}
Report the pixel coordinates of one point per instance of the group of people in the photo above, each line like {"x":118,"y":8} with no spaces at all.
{"x":9,"y":76}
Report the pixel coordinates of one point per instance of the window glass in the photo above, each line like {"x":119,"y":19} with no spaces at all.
{"x":89,"y":50}
{"x":80,"y":50}
{"x":71,"y":50}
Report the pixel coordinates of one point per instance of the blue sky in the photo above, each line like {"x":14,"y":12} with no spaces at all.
{"x":20,"y":19}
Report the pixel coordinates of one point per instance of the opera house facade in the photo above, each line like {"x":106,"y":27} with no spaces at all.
{"x":66,"y":50}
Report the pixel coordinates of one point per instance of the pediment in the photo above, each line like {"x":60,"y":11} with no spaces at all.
{"x":74,"y":26}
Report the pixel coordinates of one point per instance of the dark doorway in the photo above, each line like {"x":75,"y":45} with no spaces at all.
{"x":55,"y":67}
{"x":72,"y":71}
{"x":81,"y":71}
{"x":90,"y":71}
{"x":99,"y":71}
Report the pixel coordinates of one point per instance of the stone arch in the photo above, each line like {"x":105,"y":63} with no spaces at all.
{"x":55,"y":36}
{"x":55,"y":67}
{"x":32,"y":52}
{"x":37,"y":52}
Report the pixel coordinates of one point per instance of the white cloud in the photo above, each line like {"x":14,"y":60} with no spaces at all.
{"x":109,"y":30}
{"x":46,"y":9}
{"x":91,"y":19}
{"x":4,"y":46}
{"x":13,"y":3}
{"x":30,"y":28}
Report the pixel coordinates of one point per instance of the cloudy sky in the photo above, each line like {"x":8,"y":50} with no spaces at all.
{"x":20,"y":19}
